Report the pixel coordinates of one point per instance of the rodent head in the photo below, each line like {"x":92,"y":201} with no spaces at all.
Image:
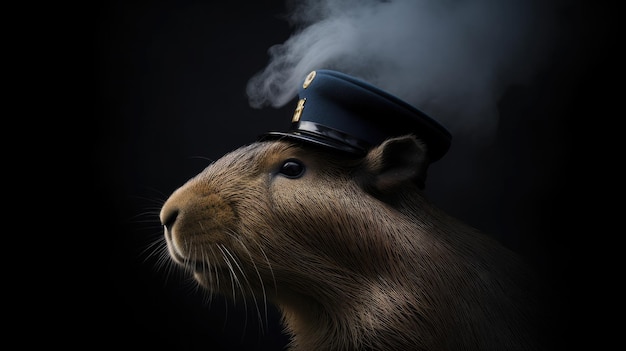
{"x":348,"y":248}
{"x":283,"y":219}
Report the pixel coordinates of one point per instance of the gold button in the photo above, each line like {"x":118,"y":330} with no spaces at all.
{"x":298,"y":112}
{"x":308,"y":79}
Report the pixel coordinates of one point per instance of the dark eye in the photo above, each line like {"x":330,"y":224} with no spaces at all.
{"x":292,"y":169}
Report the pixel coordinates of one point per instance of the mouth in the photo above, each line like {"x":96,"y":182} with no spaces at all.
{"x":200,"y":266}
{"x":186,"y":262}
{"x":195,"y":265}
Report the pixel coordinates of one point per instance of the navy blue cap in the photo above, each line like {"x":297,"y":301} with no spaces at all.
{"x":344,"y":113}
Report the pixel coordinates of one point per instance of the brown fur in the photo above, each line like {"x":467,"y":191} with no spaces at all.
{"x":352,"y":252}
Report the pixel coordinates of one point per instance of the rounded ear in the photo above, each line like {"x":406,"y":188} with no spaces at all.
{"x":396,"y":163}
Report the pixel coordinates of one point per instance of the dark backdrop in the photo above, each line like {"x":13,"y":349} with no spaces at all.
{"x":169,"y":96}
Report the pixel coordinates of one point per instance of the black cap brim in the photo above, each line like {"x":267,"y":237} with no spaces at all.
{"x":314,"y":140}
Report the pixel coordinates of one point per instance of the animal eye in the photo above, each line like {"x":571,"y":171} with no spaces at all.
{"x":292,"y":169}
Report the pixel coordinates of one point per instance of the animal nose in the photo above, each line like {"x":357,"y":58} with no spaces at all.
{"x":168,"y":217}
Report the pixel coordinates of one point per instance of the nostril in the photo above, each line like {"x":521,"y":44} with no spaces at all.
{"x":168,"y":219}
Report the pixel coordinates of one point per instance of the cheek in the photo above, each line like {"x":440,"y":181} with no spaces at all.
{"x":297,"y":199}
{"x":334,"y":222}
{"x":307,"y":212}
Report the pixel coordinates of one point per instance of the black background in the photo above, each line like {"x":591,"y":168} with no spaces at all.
{"x":163,"y":93}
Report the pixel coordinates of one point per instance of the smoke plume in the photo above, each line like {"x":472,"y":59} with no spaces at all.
{"x":453,"y":59}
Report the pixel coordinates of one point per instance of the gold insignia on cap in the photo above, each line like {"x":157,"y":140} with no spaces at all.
{"x":298,"y":112}
{"x":308,"y":79}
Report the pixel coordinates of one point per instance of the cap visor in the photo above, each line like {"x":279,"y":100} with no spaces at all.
{"x":312,"y":139}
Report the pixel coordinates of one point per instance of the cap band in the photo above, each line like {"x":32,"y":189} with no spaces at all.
{"x":319,"y":129}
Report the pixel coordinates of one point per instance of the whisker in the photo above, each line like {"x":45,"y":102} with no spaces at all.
{"x":226,"y":253}
{"x":170,"y":266}
{"x":233,"y":276}
{"x":206,"y":267}
{"x":163,"y":258}
{"x":157,"y":198}
{"x":245,"y":277}
{"x":210,"y":160}
{"x":269,"y":266}
{"x":206,"y":263}
{"x":261,"y":283}
{"x":156,"y":246}
{"x":163,"y":262}
{"x":148,"y":212}
{"x":157,"y":250}
{"x":217,"y":276}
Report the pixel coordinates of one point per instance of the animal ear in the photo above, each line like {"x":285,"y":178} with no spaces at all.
{"x":395,"y":163}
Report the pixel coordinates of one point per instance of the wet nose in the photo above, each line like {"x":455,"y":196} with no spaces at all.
{"x":168,"y":217}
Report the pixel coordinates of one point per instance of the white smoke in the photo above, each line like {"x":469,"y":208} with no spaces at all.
{"x":453,"y":59}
